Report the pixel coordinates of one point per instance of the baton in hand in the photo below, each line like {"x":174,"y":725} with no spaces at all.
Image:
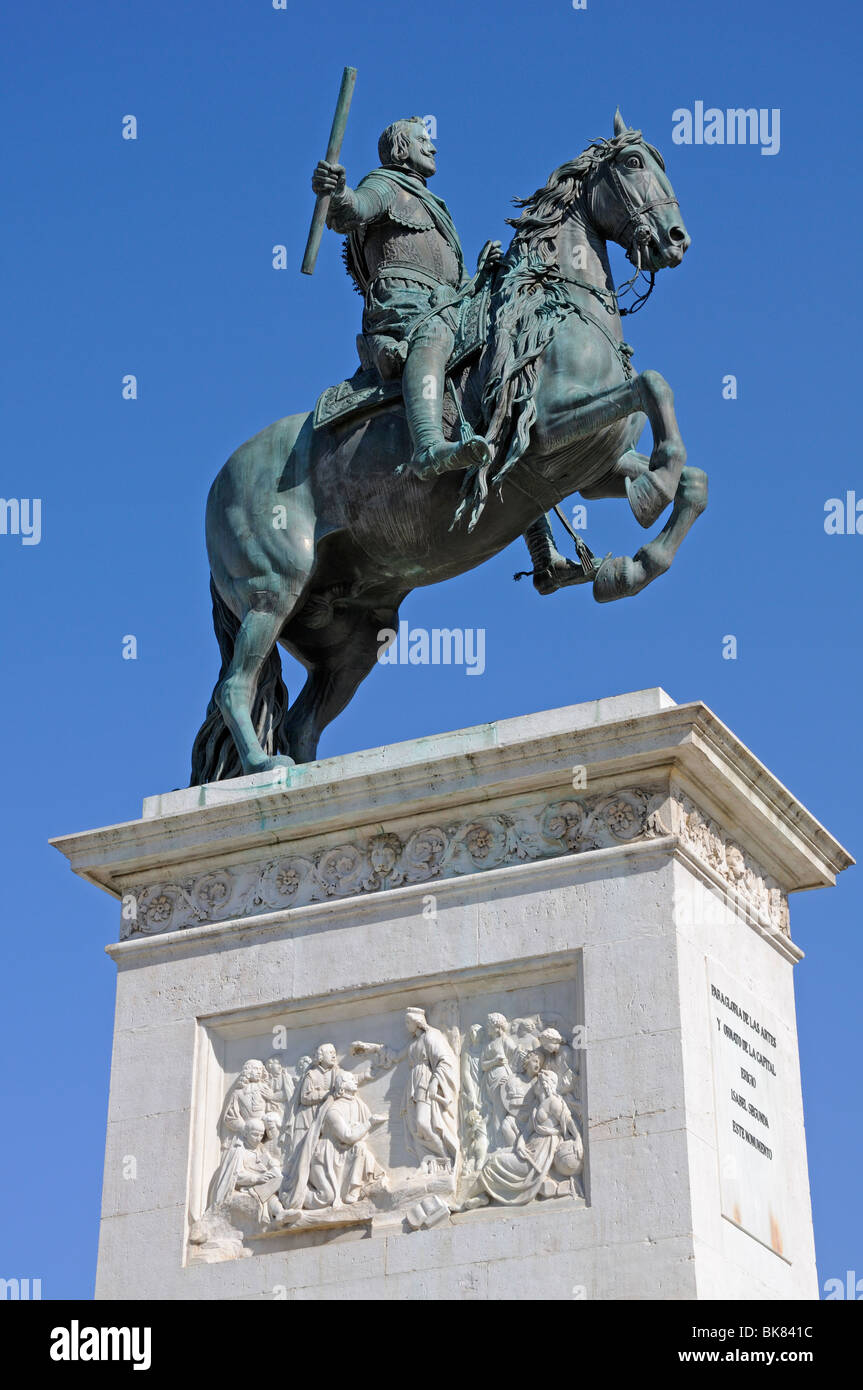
{"x":334,"y":148}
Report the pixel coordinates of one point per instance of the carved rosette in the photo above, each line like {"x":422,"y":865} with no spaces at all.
{"x":389,"y":860}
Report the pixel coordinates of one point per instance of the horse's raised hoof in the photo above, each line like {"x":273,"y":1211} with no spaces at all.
{"x":617,"y":578}
{"x":646,"y":499}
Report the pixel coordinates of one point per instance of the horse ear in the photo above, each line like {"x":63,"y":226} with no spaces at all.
{"x":619,"y":123}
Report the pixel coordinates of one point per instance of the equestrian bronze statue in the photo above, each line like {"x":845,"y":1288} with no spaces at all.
{"x":481,"y":402}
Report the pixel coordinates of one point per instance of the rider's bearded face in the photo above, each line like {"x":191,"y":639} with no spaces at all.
{"x":421,"y":151}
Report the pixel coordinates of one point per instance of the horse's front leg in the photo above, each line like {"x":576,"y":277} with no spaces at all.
{"x":651,"y":490}
{"x":621,"y":576}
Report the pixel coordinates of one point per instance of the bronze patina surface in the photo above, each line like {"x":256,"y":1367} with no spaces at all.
{"x":317,"y":533}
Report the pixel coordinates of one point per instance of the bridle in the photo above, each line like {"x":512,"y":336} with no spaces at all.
{"x":641,"y":235}
{"x":637,"y":211}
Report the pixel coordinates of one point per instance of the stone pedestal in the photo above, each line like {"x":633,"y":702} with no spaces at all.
{"x":554,"y":953}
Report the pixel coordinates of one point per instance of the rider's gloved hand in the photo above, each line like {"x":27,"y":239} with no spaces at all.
{"x":391,"y":359}
{"x":327,"y":178}
{"x":489,"y":257}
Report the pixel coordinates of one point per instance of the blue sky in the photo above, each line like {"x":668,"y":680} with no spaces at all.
{"x":154,"y":257}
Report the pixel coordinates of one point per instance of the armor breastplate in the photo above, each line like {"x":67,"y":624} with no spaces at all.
{"x":408,"y":236}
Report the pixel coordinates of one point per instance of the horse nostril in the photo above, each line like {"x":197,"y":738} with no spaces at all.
{"x":677,"y":234}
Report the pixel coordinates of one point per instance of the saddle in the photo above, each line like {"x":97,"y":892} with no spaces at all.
{"x":366,"y":391}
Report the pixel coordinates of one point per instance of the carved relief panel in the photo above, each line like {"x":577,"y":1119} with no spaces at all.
{"x":393,"y":1116}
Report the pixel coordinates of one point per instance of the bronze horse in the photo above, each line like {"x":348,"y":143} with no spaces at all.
{"x":315,"y":538}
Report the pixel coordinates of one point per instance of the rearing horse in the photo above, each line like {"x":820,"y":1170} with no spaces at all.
{"x":315,"y":539}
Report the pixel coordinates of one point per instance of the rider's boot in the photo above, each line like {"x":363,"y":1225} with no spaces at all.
{"x":423,"y":382}
{"x":544,"y":556}
{"x":551,"y":570}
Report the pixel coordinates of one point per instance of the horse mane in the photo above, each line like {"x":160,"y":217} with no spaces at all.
{"x":527,"y":304}
{"x":544,"y":210}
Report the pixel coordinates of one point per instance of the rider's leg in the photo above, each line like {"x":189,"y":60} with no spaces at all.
{"x":423,"y":384}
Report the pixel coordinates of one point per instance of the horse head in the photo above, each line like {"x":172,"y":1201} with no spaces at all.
{"x":630,"y":200}
{"x":618,"y":186}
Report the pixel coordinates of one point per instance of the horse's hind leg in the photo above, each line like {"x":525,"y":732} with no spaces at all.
{"x":334,"y":677}
{"x":259,"y":631}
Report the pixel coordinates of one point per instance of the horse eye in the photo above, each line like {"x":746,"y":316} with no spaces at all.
{"x":633,"y":162}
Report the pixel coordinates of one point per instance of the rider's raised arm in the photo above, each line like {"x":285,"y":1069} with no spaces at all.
{"x":356,"y":207}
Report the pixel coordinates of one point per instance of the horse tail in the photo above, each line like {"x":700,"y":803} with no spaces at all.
{"x":214,"y":756}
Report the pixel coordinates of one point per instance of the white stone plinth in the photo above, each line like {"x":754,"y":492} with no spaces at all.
{"x":617,"y":871}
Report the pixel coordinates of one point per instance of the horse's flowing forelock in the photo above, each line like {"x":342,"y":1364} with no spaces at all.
{"x":528,"y":304}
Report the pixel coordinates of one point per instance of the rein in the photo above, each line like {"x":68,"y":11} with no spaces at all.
{"x":622,"y":350}
{"x":632,"y":232}
{"x":610,"y":299}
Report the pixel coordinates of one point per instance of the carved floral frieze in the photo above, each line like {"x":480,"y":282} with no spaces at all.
{"x":388,"y":859}
{"x":746,"y":880}
{"x":446,"y":849}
